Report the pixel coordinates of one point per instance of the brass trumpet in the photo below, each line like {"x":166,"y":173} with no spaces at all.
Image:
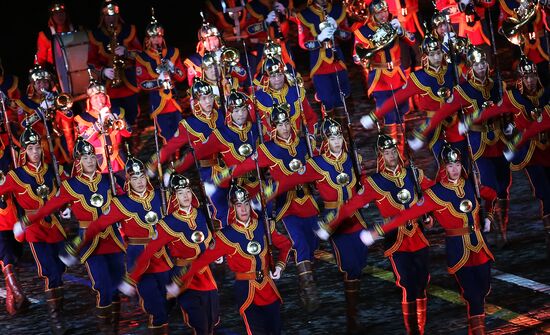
{"x":114,"y":124}
{"x":512,"y":27}
{"x":63,"y":102}
{"x":230,"y":57}
{"x":117,"y":62}
{"x":383,"y":37}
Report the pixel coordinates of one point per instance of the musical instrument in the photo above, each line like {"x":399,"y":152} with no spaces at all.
{"x":325,"y":24}
{"x":165,"y":67}
{"x":356,"y":9}
{"x":70,"y":51}
{"x":383,"y":37}
{"x":512,"y":27}
{"x":117,"y":62}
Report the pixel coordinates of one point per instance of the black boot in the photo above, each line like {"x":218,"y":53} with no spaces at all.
{"x":105,"y":319}
{"x":116,"y":315}
{"x":161,"y":330}
{"x":55,"y":307}
{"x":308,"y":288}
{"x":352,"y":299}
{"x":476,"y":325}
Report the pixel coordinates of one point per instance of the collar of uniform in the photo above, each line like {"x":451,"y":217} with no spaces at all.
{"x":90,"y":181}
{"x":279,"y":94}
{"x":535,"y":98}
{"x":289,"y":144}
{"x":242,"y":131}
{"x":34,"y":168}
{"x":249,"y":229}
{"x":209,"y":119}
{"x":438,"y":73}
{"x":397,"y":176}
{"x":187,"y":217}
{"x":455,"y":185}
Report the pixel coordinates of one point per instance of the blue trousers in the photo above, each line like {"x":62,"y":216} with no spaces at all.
{"x":130,"y":106}
{"x":475,"y":283}
{"x":106,"y":272}
{"x":10,"y":249}
{"x":350,"y":253}
{"x":200,"y":310}
{"x":258,"y":320}
{"x":539,"y":176}
{"x":380,"y":97}
{"x":495,"y":173}
{"x":304,"y":240}
{"x":152,"y":297}
{"x":50,"y":267}
{"x":411,"y":273}
{"x":328,"y":90}
{"x":168,"y":124}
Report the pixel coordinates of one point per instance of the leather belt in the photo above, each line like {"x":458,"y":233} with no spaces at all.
{"x":182,"y":261}
{"x":84,"y":224}
{"x":208,"y":162}
{"x":252,"y":275}
{"x":459,"y":231}
{"x":138,"y":240}
{"x":332,"y":204}
{"x":384,"y":66}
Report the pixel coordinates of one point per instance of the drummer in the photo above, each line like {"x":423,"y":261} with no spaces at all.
{"x":59,"y":22}
{"x":112,"y":49}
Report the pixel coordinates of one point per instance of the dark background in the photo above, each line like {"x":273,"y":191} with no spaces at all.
{"x":22,"y":20}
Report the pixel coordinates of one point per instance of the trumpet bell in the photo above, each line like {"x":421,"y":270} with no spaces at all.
{"x":382,"y":38}
{"x":63,"y":102}
{"x":230,"y":56}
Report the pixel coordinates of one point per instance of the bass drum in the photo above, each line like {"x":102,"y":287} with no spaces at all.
{"x":70,"y":51}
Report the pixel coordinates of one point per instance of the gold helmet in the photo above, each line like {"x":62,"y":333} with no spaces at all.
{"x":273,"y":65}
{"x":279,"y":113}
{"x":82,"y":147}
{"x":377,"y":6}
{"x":28,"y":137}
{"x":95,"y":87}
{"x":475,"y":55}
{"x":57,"y":6}
{"x":200,"y":88}
{"x":154,"y":28}
{"x":178,"y":181}
{"x":526,"y":66}
{"x":38,"y":72}
{"x":330,"y":127}
{"x":238,"y":195}
{"x":450,"y":154}
{"x":110,"y":8}
{"x":385,"y":142}
{"x":207,"y":30}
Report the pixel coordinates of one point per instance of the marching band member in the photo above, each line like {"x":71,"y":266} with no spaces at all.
{"x":186,"y":235}
{"x":393,"y":190}
{"x":383,"y":70}
{"x":244,"y":244}
{"x":113,"y":48}
{"x":319,"y":25}
{"x":38,"y":105}
{"x":296,"y":208}
{"x":138,"y":212}
{"x":454,"y":205}
{"x":58,"y":22}
{"x":332,"y":173}
{"x":102,"y":128}
{"x":89,"y":193}
{"x":158,"y":68}
{"x":34,"y":184}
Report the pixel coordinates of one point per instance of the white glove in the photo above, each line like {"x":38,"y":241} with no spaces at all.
{"x":326,"y":34}
{"x":166,"y":178}
{"x":279,"y":7}
{"x":509,"y":129}
{"x":271,"y":17}
{"x":169,"y":65}
{"x":69,"y":260}
{"x":509,"y":155}
{"x":152,"y":174}
{"x":163,"y":76}
{"x":486,"y":225}
{"x":276,"y":274}
{"x":322,"y":234}
{"x":462,"y":128}
{"x":415,"y":144}
{"x":173,"y":289}
{"x":66,"y":214}
{"x":127,"y":289}
{"x":366,"y":238}
{"x":219,"y":260}
{"x":120,"y":50}
{"x":108,"y":73}
{"x":396,"y":25}
{"x":366,"y":122}
{"x":210,"y":189}
{"x":332,"y":22}
{"x":18,"y":231}
{"x":104,"y":112}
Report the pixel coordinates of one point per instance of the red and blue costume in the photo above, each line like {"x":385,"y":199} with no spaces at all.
{"x":325,"y":63}
{"x":124,"y":98}
{"x":164,"y":106}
